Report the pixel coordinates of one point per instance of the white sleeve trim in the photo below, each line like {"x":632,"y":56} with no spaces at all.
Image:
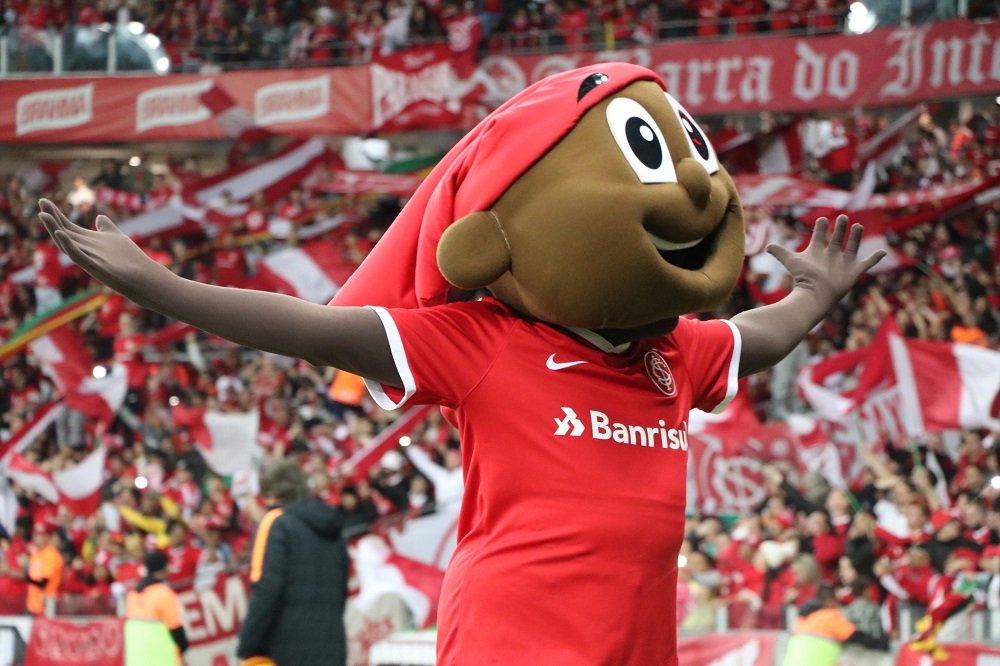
{"x":733,"y":377}
{"x":402,"y":365}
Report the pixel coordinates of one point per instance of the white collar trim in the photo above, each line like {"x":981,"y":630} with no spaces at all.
{"x":600,"y":342}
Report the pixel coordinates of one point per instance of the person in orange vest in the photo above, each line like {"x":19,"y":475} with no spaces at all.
{"x":152,"y":599}
{"x":821,"y":631}
{"x":45,"y":568}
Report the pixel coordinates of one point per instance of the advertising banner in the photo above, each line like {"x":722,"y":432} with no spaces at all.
{"x":433,"y":87}
{"x":61,"y":642}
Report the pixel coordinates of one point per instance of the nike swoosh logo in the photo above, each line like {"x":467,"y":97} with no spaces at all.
{"x":552,"y":364}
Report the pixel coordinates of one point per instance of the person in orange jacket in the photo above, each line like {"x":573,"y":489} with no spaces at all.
{"x":152,"y":599}
{"x":45,"y":568}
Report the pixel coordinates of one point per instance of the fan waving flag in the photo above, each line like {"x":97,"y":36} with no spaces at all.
{"x":227,"y":440}
{"x":69,"y":365}
{"x":78,"y":488}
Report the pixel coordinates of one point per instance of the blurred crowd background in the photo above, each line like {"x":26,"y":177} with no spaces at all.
{"x":249,"y":33}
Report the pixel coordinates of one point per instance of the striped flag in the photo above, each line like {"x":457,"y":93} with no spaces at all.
{"x":944,"y":385}
{"x":882,"y":147}
{"x":313,"y":272}
{"x":232,"y":118}
{"x":363,"y":459}
{"x":31,"y":430}
{"x":775,"y":151}
{"x":78,"y":488}
{"x":274,"y":177}
{"x":71,"y":308}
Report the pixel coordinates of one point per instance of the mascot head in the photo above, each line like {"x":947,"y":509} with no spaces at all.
{"x":590,"y":199}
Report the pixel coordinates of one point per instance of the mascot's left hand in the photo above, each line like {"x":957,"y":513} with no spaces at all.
{"x":823,"y":273}
{"x":827,"y":269}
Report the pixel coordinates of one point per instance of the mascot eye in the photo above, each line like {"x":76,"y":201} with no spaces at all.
{"x":701,"y":149}
{"x":641,"y":141}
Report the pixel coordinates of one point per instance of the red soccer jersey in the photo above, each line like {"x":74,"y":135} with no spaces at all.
{"x":574,"y":459}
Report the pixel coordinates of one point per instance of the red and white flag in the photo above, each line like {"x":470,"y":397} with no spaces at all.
{"x":227,"y":440}
{"x":78,"y":488}
{"x":274,"y":177}
{"x":313,"y":272}
{"x":31,"y":477}
{"x":30,"y":431}
{"x":945,"y":386}
{"x":382,"y":571}
{"x":69,"y":365}
{"x":232,"y":118}
{"x":363,"y":459}
{"x":882,"y":147}
{"x":777,"y":151}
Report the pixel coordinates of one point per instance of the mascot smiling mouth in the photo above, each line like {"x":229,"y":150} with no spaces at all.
{"x":690,"y":256}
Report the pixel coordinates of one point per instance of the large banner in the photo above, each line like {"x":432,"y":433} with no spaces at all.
{"x":212,"y":618}
{"x":432,"y":87}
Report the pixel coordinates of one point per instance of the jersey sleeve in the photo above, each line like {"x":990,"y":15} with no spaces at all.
{"x":712,"y":357}
{"x":441,"y":353}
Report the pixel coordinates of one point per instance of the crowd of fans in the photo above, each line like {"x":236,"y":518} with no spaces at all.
{"x":899,"y":534}
{"x":245,"y":32}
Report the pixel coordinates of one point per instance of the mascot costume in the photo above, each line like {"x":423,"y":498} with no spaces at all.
{"x":596,"y":214}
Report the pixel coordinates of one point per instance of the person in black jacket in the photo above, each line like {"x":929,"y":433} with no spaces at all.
{"x":298,"y":576}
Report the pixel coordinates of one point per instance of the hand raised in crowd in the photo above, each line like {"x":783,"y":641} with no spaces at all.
{"x":829,"y":269}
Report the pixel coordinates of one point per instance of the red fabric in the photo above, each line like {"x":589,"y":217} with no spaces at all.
{"x":182,"y":562}
{"x":48,"y":270}
{"x":402,"y":269}
{"x":91,"y":643}
{"x":230,"y":266}
{"x":827,"y":549}
{"x":128,"y":351}
{"x":527,"y":477}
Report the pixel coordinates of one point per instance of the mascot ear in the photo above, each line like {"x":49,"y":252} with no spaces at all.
{"x":473,"y":252}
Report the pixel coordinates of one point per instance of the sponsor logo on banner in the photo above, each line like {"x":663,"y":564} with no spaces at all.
{"x":292,"y":101}
{"x":394,"y":91}
{"x":170,"y":106}
{"x":55,"y":109}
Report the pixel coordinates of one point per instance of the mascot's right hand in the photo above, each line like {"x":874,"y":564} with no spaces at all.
{"x":107,"y":254}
